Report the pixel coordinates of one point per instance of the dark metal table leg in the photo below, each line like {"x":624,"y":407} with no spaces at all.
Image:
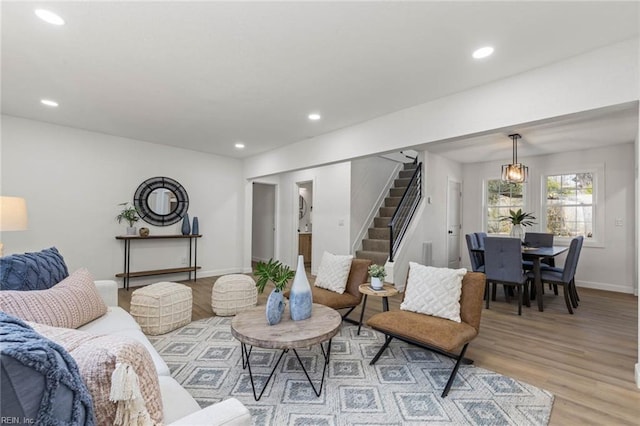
{"x":127,"y":263}
{"x":364,"y":304}
{"x":246,"y":364}
{"x":385,"y":303}
{"x":327,"y":357}
{"x":189,"y":258}
{"x":195,"y":258}
{"x":538,"y":282}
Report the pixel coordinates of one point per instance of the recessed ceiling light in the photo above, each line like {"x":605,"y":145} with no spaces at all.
{"x":48,"y":102}
{"x":239,"y":145}
{"x":483,"y":52}
{"x":49,"y":16}
{"x":314,"y":116}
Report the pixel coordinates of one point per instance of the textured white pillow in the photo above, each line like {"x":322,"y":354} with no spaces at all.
{"x":434,"y":291}
{"x":333,"y":272}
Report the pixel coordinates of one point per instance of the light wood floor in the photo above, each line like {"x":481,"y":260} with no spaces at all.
{"x":586,"y":360}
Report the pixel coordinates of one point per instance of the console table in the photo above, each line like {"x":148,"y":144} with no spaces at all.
{"x":193,"y":253}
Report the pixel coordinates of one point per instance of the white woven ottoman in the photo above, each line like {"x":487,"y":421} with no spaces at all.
{"x":161,"y":307}
{"x":232,"y":294}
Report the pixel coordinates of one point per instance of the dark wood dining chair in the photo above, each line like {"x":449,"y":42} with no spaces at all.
{"x":476,"y":257}
{"x":480,"y":237}
{"x":539,"y":239}
{"x":565,"y":276}
{"x":503,"y":265}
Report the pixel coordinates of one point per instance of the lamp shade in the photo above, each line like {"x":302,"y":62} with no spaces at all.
{"x":515,"y":173}
{"x":13,"y":214}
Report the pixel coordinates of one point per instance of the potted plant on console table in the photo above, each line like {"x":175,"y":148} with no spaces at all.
{"x":130,"y":214}
{"x":279,"y":275}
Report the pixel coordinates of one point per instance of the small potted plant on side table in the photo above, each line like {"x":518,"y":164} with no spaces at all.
{"x":279,"y":275}
{"x":377,"y":273}
{"x":130,"y":214}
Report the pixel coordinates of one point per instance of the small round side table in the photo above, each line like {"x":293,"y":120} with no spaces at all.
{"x":366,"y":289}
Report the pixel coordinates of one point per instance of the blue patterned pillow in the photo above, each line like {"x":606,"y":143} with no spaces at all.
{"x":32,"y":271}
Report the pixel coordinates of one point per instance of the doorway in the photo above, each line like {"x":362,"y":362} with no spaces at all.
{"x":305,"y":221}
{"x":454,"y":196}
{"x":263,"y":222}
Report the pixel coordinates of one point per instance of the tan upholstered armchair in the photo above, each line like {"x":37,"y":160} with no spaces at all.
{"x":437,"y":334}
{"x":351,"y":297}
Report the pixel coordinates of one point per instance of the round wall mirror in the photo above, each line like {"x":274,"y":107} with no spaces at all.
{"x":161,"y":201}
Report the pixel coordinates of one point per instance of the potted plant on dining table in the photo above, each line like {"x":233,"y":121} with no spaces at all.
{"x":518,"y":219}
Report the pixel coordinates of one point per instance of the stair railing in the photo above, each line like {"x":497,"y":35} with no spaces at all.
{"x":404,"y":213}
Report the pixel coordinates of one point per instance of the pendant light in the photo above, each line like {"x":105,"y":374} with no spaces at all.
{"x":515,"y":172}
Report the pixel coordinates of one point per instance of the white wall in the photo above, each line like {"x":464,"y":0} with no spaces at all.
{"x":609,"y":267}
{"x":597,"y":79}
{"x":439,"y":171}
{"x":263,"y":222}
{"x":73,"y":180}
{"x":370,"y":178}
{"x":331,"y":205}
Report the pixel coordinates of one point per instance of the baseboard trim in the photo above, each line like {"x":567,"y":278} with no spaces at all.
{"x":605,"y":286}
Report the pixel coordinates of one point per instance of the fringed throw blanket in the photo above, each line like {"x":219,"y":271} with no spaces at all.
{"x":58,"y":377}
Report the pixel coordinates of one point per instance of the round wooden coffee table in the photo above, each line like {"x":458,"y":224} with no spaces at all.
{"x":251,"y":329}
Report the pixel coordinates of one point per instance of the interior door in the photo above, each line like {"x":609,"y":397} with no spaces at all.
{"x":454,"y":224}
{"x":263,"y":222}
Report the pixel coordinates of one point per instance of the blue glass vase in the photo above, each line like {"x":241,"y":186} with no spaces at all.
{"x":186,"y":228}
{"x":300,"y":297}
{"x":195,"y":229}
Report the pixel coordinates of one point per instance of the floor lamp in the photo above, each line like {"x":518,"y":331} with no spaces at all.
{"x":13,"y":216}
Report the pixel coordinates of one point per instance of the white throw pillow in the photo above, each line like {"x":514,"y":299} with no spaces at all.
{"x":333,"y":272}
{"x":434,"y":291}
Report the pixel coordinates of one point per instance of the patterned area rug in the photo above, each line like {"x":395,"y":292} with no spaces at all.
{"x":402,"y":388}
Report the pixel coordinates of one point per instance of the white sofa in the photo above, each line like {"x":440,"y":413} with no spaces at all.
{"x":179,"y":406}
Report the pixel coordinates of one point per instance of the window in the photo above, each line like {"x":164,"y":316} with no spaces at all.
{"x":569,"y":204}
{"x":502,"y":197}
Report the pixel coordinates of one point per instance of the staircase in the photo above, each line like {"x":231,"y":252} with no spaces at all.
{"x":376,"y":246}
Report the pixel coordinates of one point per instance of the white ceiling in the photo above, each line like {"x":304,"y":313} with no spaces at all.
{"x":204,"y":75}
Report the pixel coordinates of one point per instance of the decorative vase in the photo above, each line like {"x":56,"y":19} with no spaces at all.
{"x":300,"y":297}
{"x":195,"y":229}
{"x":517,"y":231}
{"x":131,"y":230}
{"x":275,"y":307}
{"x":186,"y":228}
{"x":376,"y":283}
{"x":144,"y":232}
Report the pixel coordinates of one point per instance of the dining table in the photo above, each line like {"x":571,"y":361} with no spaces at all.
{"x":535,"y":255}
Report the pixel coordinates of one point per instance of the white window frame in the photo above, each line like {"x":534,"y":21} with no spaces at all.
{"x":485,"y":203}
{"x":598,"y":201}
